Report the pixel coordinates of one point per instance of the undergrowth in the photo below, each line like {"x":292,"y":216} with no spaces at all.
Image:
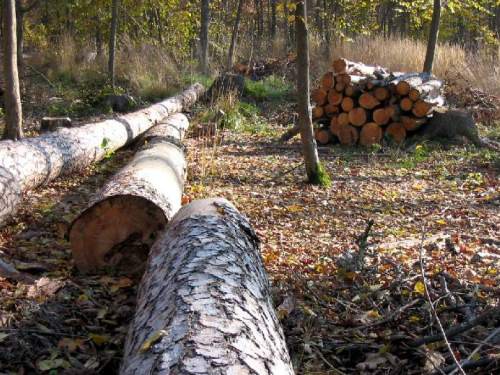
{"x":271,"y":88}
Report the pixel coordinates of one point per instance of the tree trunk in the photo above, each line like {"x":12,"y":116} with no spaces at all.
{"x":433,"y":37}
{"x":33,"y":162}
{"x":205,"y":21}
{"x":112,"y":41}
{"x":273,"y":19}
{"x":306,"y":129}
{"x":135,"y":204}
{"x":234,"y":37}
{"x":286,"y":27}
{"x":204,"y":304}
{"x":13,"y":110}
{"x":20,"y":37}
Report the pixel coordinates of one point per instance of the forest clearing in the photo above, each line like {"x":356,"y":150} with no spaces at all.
{"x":236,"y":187}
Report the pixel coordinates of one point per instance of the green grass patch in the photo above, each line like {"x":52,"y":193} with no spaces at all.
{"x":271,"y":88}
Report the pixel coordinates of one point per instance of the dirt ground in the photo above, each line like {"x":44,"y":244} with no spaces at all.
{"x":337,"y":320}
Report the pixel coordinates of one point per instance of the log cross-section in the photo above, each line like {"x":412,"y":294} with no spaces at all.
{"x":204,"y":303}
{"x":135,"y":204}
{"x":32,"y":162}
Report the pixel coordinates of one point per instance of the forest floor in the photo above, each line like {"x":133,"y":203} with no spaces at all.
{"x":435,"y":203}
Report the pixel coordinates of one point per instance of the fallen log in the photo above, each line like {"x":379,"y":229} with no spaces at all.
{"x":204,"y":304}
{"x":136,"y":203}
{"x":32,"y":162}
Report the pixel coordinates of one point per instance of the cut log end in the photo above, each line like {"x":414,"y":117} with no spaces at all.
{"x":335,"y":97}
{"x":348,"y":135}
{"x":396,"y":132}
{"x":347,"y":104}
{"x":331,"y":109}
{"x":340,"y":66}
{"x":323,"y":136}
{"x":368,"y":101}
{"x":406,"y":104}
{"x":403,"y":88}
{"x":327,"y":81}
{"x":371,"y":133}
{"x":421,"y":108}
{"x":357,"y":116}
{"x":319,"y":96}
{"x":381,"y":116}
{"x":106,"y":232}
{"x":317,"y":112}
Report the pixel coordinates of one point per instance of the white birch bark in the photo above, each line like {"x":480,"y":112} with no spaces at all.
{"x":204,"y":305}
{"x":32,"y":162}
{"x":136,"y":203}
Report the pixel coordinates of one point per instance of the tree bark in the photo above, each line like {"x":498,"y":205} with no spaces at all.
{"x":204,"y":304}
{"x":273,"y":19}
{"x":13,"y":110}
{"x":234,"y":37}
{"x":33,"y":162}
{"x":205,"y":21}
{"x":112,"y":41}
{"x":433,"y":37}
{"x":309,"y":149}
{"x":135,"y":204}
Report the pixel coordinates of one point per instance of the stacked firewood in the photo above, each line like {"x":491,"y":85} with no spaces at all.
{"x":363,"y":104}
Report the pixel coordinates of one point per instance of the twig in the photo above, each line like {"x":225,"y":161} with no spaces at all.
{"x":362,"y":242}
{"x":479,"y":347}
{"x":424,"y":279}
{"x":458,"y":329}
{"x":277,"y":177}
{"x":40,"y":332}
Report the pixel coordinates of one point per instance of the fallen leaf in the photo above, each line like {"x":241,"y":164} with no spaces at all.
{"x":151,"y":340}
{"x":419,"y":288}
{"x":99,"y":339}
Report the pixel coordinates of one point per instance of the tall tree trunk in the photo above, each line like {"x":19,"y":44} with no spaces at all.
{"x":13,"y":110}
{"x":309,"y":149}
{"x":286,"y":27}
{"x":205,"y":22}
{"x":273,"y":19}
{"x":433,"y":37}
{"x":234,"y":37}
{"x":204,"y":304}
{"x":112,"y":41}
{"x":20,"y":37}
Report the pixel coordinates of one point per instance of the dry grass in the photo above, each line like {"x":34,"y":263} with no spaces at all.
{"x":480,"y":70}
{"x":146,"y":70}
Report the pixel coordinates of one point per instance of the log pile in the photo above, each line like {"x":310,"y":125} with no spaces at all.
{"x":361,"y":104}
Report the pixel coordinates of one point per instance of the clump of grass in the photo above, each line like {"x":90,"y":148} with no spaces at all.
{"x":321,"y":178}
{"x":269,"y":88}
{"x":405,"y":54}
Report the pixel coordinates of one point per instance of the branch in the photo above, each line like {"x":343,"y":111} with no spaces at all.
{"x":424,"y":279}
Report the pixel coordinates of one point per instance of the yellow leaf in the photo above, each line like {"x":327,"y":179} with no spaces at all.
{"x":441,"y":222}
{"x":419,"y":288}
{"x":415,"y":319}
{"x":294,"y":208}
{"x":374,"y":314}
{"x":154,"y":338}
{"x":98,"y":339}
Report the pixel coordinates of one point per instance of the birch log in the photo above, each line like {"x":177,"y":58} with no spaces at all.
{"x":136,"y":203}
{"x":204,"y":305}
{"x":32,"y":162}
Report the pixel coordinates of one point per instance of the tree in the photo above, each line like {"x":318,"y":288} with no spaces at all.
{"x":112,"y":41}
{"x":13,"y":109}
{"x":205,"y":21}
{"x":234,"y":37}
{"x":433,"y":37}
{"x":309,"y":149}
{"x":21,"y":10}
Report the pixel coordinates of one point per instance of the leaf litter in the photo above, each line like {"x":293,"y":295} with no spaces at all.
{"x":340,"y":314}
